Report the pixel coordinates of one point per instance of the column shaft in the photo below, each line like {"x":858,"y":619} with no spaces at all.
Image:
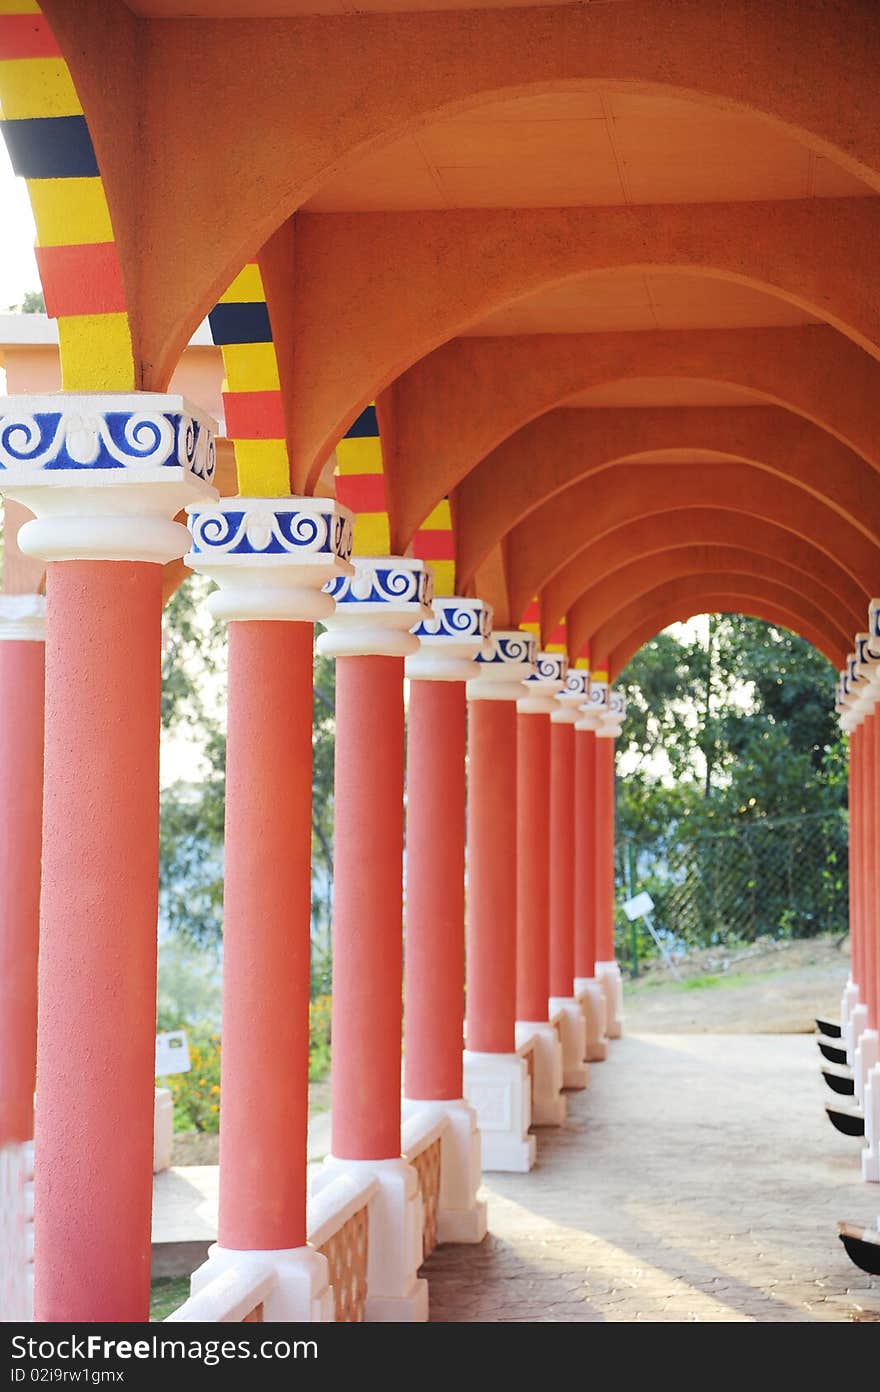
{"x":435,"y":857}
{"x":532,"y":866}
{"x":266,"y":937}
{"x":605,"y":850}
{"x":585,"y":953}
{"x":22,"y":694}
{"x":367,"y":920}
{"x":562,"y":856}
{"x":491,"y":828}
{"x":97,"y":973}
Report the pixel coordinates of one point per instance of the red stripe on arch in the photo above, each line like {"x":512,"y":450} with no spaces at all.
{"x":255,"y":415}
{"x":81,"y":279}
{"x":431,"y":545}
{"x":27,"y":36}
{"x":361,"y":492}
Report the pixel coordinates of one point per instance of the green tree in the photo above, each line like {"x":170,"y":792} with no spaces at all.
{"x":192,"y":814}
{"x":731,"y":807}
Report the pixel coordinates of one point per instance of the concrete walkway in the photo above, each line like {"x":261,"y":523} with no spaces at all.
{"x":697,"y":1179}
{"x":185,"y":1202}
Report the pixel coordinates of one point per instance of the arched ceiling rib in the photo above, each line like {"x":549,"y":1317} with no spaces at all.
{"x":292,"y":131}
{"x":717,"y":591}
{"x":572,"y":445}
{"x":461,"y":402}
{"x":663,"y":534}
{"x":539,"y":547}
{"x":423,"y":278}
{"x":682,"y":610}
{"x":631,"y":583}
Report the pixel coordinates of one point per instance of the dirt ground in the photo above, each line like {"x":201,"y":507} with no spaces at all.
{"x":767,"y":988}
{"x":199,"y":1148}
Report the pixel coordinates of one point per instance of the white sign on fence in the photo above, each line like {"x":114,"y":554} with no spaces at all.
{"x":172,"y":1053}
{"x":639,"y":907}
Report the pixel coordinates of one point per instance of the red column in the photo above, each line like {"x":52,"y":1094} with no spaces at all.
{"x":532,"y":867}
{"x":97,"y":973}
{"x":491,"y":835}
{"x":604,"y":850}
{"x":562,"y":858}
{"x":367,"y":919}
{"x":22,"y":689}
{"x":435,"y":858}
{"x":266,"y":937}
{"x":585,"y":953}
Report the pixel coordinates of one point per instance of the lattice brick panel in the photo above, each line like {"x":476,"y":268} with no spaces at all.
{"x":427,"y":1167}
{"x":346,"y":1253}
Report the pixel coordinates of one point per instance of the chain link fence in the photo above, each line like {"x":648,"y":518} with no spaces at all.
{"x":781,"y":877}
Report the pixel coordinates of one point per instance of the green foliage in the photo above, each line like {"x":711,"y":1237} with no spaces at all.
{"x":196,"y":1094}
{"x":731,"y":807}
{"x":320,"y":1011}
{"x":323,"y":755}
{"x":167,"y":1293}
{"x":192,"y":814}
{"x":32,"y":303}
{"x":188,"y":984}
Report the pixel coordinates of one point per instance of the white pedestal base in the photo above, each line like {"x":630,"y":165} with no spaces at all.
{"x":871,"y":1152}
{"x":856,"y":1026}
{"x":866,"y":1057}
{"x":548,"y":1104}
{"x":609,"y":978}
{"x":163,"y":1130}
{"x":848,"y":1002}
{"x":301,"y":1292}
{"x":461,"y":1216}
{"x":17,"y":1229}
{"x":573,"y":1035}
{"x":497,"y":1087}
{"x":395,"y":1291}
{"x":591,"y":998}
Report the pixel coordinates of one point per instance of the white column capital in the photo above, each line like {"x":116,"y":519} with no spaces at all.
{"x":450,"y":640}
{"x":543,"y":685}
{"x":613,"y":716}
{"x":867,"y":671}
{"x":105,"y":473}
{"x":595,"y":705}
{"x":572,"y":697}
{"x":852,"y":687}
{"x":507,"y":662}
{"x":377,"y":605}
{"x":23,"y":618}
{"x":270,"y":557}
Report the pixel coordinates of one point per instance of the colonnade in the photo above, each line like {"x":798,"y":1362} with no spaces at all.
{"x":529,"y":831}
{"x":857,"y":703}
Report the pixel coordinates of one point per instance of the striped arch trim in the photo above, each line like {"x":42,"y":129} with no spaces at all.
{"x":252,"y":404}
{"x":46,"y":134}
{"x":433,"y":542}
{"x":555,"y":642}
{"x":531,"y":619}
{"x":360,"y":484}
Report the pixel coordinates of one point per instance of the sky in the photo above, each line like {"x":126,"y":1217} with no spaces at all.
{"x":18,"y":266}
